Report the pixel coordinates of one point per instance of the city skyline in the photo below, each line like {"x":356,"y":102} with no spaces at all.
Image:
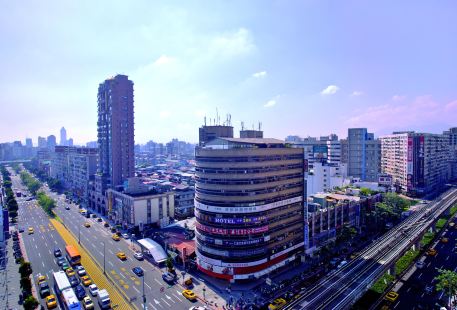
{"x":187,"y":61}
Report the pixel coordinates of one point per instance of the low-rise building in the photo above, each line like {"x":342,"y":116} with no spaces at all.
{"x":184,"y":201}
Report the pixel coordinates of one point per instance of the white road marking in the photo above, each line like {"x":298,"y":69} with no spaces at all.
{"x":166,"y":302}
{"x":147,"y":285}
{"x":156,"y":301}
{"x":111,"y":252}
{"x":157,"y":281}
{"x":39,"y":254}
{"x":152,"y":306}
{"x":36,"y":247}
{"x":447,"y":257}
{"x":42,"y":264}
{"x":111,"y":264}
{"x":169,"y":298}
{"x":136,"y":289}
{"x":122,"y":276}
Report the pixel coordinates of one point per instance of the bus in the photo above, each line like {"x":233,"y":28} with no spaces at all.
{"x":73,"y":256}
{"x":64,"y":292}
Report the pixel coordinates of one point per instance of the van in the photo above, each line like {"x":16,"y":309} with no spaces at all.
{"x":103,"y":299}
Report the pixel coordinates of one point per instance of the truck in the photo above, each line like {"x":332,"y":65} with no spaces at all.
{"x":64,"y":292}
{"x":103,"y":299}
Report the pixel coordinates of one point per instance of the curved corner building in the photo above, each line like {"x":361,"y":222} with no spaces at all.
{"x":249,"y":207}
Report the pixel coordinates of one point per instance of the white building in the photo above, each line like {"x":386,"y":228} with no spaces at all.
{"x":324,"y":177}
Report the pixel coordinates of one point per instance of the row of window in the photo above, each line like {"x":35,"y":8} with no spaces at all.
{"x":242,"y":204}
{"x":248,"y":192}
{"x":241,"y":159}
{"x":229,"y":170}
{"x":248,"y":181}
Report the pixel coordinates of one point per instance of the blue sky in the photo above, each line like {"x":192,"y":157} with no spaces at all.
{"x":299,"y":67}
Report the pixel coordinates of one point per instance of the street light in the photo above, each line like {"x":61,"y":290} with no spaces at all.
{"x":79,"y":235}
{"x":104,"y":257}
{"x":144,"y":295}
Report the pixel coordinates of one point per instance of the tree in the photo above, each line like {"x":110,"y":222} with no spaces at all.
{"x":169,"y":263}
{"x":365,"y":191}
{"x":25,"y":269}
{"x":12,"y":205}
{"x":26,"y":284}
{"x":30,"y":303}
{"x":447,"y":282}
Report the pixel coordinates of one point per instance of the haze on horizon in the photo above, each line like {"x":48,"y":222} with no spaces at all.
{"x":299,"y":67}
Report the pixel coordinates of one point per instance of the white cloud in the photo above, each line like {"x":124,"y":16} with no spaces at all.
{"x":398,"y":97}
{"x":164,"y":114}
{"x":260,"y":74}
{"x":330,"y":90}
{"x":357,"y":93}
{"x":163,"y":60}
{"x":272,"y":102}
{"x":232,"y":43}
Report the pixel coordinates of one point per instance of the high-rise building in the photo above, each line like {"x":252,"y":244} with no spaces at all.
{"x":249,"y":197}
{"x":363,"y":155}
{"x":208,"y":133}
{"x":42,"y":142}
{"x":116,"y":129}
{"x":70,"y":142}
{"x":63,"y":136}
{"x":28,"y":142}
{"x":51,"y":142}
{"x":417,"y":162}
{"x":451,"y":136}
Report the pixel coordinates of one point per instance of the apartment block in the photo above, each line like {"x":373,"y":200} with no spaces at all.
{"x":363,"y":155}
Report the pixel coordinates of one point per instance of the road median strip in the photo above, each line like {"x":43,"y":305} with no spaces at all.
{"x":117,"y":296}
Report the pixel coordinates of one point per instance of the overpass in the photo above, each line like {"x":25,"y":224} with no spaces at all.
{"x":343,"y":287}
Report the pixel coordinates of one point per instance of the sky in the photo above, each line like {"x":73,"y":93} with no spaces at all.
{"x":306,"y":68}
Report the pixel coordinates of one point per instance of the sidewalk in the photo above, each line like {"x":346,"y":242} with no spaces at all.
{"x":10,"y":281}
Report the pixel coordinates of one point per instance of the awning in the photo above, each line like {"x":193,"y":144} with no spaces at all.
{"x":154,"y":249}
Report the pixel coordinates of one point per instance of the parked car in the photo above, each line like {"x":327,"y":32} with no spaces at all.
{"x":125,"y":236}
{"x":138,"y":271}
{"x":189,"y":295}
{"x":168,"y":277}
{"x":138,"y":256}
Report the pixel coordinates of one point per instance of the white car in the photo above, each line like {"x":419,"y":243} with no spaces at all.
{"x":81,"y":271}
{"x":420,"y":264}
{"x":125,"y":236}
{"x":342,"y":264}
{"x":93,"y":289}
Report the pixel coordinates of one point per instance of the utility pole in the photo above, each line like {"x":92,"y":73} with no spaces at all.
{"x":104,"y":257}
{"x":144,"y":295}
{"x":79,"y":235}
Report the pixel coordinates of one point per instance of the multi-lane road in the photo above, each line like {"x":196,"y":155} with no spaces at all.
{"x":341,"y":288}
{"x":97,"y":240}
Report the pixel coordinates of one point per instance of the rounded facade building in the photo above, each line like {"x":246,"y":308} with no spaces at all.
{"x":248,"y":206}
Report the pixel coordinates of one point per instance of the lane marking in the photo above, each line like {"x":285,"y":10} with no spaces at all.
{"x":157,"y":281}
{"x":136,"y":289}
{"x":151,"y":287}
{"x":166,"y":302}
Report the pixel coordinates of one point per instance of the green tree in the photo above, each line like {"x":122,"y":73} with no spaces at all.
{"x":447,"y":282}
{"x":25,"y":269}
{"x":26,"y":284}
{"x":169,"y":263}
{"x":30,"y":303}
{"x":365,"y":191}
{"x":12,"y":205}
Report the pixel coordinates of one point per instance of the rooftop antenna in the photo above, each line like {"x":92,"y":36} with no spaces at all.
{"x":260,"y":126}
{"x":217,"y":117}
{"x":205,"y":119}
{"x":242,"y":126}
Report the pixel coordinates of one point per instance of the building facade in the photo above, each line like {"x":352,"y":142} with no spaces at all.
{"x":417,"y":162}
{"x":363,"y":155}
{"x":208,"y":133}
{"x":184,"y":201}
{"x":248,"y":207}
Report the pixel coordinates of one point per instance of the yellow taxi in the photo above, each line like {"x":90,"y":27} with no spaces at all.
{"x":41,"y":279}
{"x":87,"y":303}
{"x":391,"y":296}
{"x":115,"y":237}
{"x":277,"y":304}
{"x":444,"y":240}
{"x":431,"y":252}
{"x":189,"y":295}
{"x":87,"y":224}
{"x":70,"y":272}
{"x":121,"y":255}
{"x":86,"y":280}
{"x":82,"y":210}
{"x":51,"y":302}
{"x":31,"y":231}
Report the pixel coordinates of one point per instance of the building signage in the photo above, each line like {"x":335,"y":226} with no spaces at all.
{"x":224,"y":231}
{"x":230,"y":220}
{"x":203,"y":259}
{"x":232,"y":242}
{"x":409,"y":165}
{"x":250,"y":209}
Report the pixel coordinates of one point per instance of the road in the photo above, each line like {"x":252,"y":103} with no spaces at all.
{"x":159,"y":295}
{"x":412,"y":293}
{"x":342,"y":287}
{"x":39,"y":245}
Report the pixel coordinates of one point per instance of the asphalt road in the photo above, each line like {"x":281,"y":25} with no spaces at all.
{"x":39,"y":245}
{"x":412,"y":293}
{"x":159,"y":294}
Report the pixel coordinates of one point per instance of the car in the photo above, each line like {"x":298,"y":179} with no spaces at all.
{"x":86,"y":280}
{"x":138,"y":271}
{"x":391,"y":296}
{"x":21,"y":229}
{"x":51,"y":302}
{"x":93,"y":289}
{"x":125,"y":236}
{"x":31,"y":231}
{"x":444,"y":240}
{"x":99,"y":220}
{"x":121,"y":255}
{"x":277,"y":304}
{"x":431,"y":252}
{"x":80,"y":270}
{"x":342,"y":264}
{"x":41,"y":279}
{"x":80,"y":292}
{"x":429,"y":289}
{"x":73,"y":281}
{"x":168,"y":277}
{"x":82,"y":211}
{"x":44,"y":289}
{"x":451,"y":224}
{"x":65,"y":266}
{"x":87,"y":303}
{"x":420,"y":264}
{"x":67,"y":207}
{"x":57,"y":252}
{"x":70,"y":272}
{"x":61,"y":260}
{"x":87,"y":224}
{"x":189,"y":295}
{"x":138,"y":256}
{"x":106,"y":224}
{"x":115,"y":237}
{"x":202,"y":308}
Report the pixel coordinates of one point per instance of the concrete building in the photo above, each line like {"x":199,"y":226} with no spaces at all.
{"x":363,"y":155}
{"x":63,"y":136}
{"x":51,"y":142}
{"x":115,"y":124}
{"x":70,"y":142}
{"x":42,"y":142}
{"x":324,"y":177}
{"x":184,"y":201}
{"x":136,"y":206}
{"x":417,"y":162}
{"x":246,"y":133}
{"x":248,"y":206}
{"x":28,"y":142}
{"x":334,"y":151}
{"x":451,"y":136}
{"x":208,"y":133}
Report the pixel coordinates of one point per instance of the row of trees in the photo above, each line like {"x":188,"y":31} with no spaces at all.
{"x":46,"y":202}
{"x":33,"y":185}
{"x":26,"y":271}
{"x":11,"y":203}
{"x":53,"y":183}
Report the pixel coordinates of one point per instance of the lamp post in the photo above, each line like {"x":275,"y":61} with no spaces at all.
{"x":104,"y":257}
{"x":79,"y":235}
{"x":144,"y":295}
